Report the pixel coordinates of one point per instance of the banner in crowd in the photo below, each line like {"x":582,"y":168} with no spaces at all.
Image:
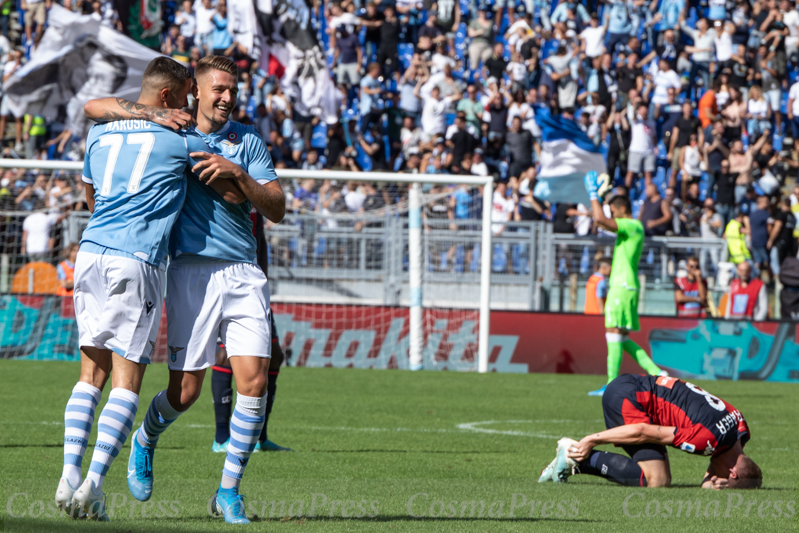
{"x":291,"y":52}
{"x":567,"y":155}
{"x":43,"y":328}
{"x":77,"y":60}
{"x":141,"y":20}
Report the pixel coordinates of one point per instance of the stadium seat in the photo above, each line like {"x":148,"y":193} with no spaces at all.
{"x":405,"y":51}
{"x":35,"y":278}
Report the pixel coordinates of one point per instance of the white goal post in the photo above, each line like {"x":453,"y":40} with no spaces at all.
{"x":415,"y":250}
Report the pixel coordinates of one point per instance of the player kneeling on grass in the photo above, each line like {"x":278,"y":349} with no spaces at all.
{"x":644,"y":414}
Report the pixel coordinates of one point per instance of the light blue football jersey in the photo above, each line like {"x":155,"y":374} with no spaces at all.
{"x":209,"y":228}
{"x":138,"y":170}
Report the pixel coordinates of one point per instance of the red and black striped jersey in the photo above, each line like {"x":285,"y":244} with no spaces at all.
{"x":706,"y":424}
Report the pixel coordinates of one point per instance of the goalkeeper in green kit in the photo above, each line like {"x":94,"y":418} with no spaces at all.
{"x":621,"y":305}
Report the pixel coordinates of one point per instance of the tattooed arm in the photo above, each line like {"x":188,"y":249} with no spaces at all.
{"x":110,"y":109}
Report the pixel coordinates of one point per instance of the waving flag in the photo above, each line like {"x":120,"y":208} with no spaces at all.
{"x":77,"y":60}
{"x":567,"y":154}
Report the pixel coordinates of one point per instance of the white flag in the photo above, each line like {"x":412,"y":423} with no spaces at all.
{"x":77,"y":60}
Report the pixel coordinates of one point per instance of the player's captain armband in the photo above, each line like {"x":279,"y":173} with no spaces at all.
{"x":667,"y":382}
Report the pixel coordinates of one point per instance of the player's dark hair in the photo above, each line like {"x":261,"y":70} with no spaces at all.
{"x":209,"y":63}
{"x":164,"y":72}
{"x":604,"y":260}
{"x":622,"y":201}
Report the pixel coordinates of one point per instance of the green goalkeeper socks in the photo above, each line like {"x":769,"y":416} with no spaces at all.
{"x":641,"y":357}
{"x":615,"y":352}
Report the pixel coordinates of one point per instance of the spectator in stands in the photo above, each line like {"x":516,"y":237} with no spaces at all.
{"x":371,"y":90}
{"x":496,"y":65}
{"x":781,"y":242}
{"x":372,"y":143}
{"x":460,"y":143}
{"x":37,"y":235}
{"x":735,"y":233}
{"x":520,"y":144}
{"x":11,"y":66}
{"x":655,"y":214}
{"x":592,"y":38}
{"x":480,"y":32}
{"x":204,"y":25}
{"x":35,"y":16}
{"x":642,"y":146}
{"x":472,"y":108}
{"x":702,"y":50}
{"x":187,"y":20}
{"x":710,"y":227}
{"x":758,"y":114}
{"x":434,"y":109}
{"x":596,"y":289}
{"x":221,"y":41}
{"x":387,"y":50}
{"x":348,"y":58}
{"x":690,"y":291}
{"x":619,"y":23}
{"x":747,"y":298}
{"x":66,"y":271}
{"x":691,"y":158}
{"x":759,"y":232}
{"x":561,"y":74}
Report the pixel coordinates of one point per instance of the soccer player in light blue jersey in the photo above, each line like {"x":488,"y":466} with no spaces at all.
{"x":214,"y":287}
{"x":135,"y":178}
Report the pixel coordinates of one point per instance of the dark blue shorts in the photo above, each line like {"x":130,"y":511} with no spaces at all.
{"x":620,"y":407}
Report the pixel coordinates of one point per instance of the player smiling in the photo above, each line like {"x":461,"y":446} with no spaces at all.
{"x":214,"y":287}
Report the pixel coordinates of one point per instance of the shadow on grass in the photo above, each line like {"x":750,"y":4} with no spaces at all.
{"x":423,"y":519}
{"x":468,"y":452}
{"x":61,"y":446}
{"x":204,"y":523}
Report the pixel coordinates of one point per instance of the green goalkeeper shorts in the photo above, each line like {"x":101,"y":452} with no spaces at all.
{"x":621,"y":309}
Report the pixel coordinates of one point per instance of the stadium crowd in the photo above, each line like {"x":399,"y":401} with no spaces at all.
{"x":694,"y":104}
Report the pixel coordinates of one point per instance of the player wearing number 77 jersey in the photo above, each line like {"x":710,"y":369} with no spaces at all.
{"x":644,"y":414}
{"x":135,"y":175}
{"x":215,"y":288}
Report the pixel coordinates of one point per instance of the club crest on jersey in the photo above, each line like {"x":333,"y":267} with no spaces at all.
{"x":231,"y":142}
{"x":173,"y":353}
{"x":710,"y":449}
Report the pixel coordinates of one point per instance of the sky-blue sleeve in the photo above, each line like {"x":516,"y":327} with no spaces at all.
{"x":602,"y":289}
{"x":87,"y":168}
{"x":260,"y":165}
{"x":195,"y":143}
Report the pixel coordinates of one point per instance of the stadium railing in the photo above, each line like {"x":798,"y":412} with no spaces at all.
{"x":410,"y":229}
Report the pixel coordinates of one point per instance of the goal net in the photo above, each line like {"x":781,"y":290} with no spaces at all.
{"x":367,"y":270}
{"x":342,"y":266}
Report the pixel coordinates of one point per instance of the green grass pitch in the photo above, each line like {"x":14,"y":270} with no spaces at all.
{"x":395,"y":451}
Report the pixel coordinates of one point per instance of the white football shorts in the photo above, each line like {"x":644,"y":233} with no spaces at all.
{"x":206,"y":301}
{"x":118,"y":304}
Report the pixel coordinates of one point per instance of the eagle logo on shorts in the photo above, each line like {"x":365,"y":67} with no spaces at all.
{"x":174,"y":353}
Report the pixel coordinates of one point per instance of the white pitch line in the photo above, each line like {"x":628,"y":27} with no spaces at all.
{"x":469,"y":427}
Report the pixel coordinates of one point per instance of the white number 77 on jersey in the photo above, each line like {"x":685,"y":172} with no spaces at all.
{"x":146,"y":140}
